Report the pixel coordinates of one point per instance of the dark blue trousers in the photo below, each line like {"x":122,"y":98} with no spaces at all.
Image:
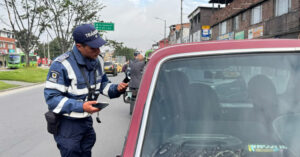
{"x":75,"y":137}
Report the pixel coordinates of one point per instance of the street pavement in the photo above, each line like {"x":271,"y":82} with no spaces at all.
{"x":23,"y":127}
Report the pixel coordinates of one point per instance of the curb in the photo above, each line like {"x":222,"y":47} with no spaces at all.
{"x":20,"y":86}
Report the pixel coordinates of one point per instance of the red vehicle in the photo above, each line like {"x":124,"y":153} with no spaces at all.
{"x":219,"y":99}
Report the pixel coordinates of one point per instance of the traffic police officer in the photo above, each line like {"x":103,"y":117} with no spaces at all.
{"x":73,"y":84}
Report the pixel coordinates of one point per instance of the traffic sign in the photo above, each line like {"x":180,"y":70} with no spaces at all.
{"x":104,"y":26}
{"x":205,"y":27}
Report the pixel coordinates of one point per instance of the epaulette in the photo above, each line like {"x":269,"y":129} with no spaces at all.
{"x":101,"y":56}
{"x":62,"y":57}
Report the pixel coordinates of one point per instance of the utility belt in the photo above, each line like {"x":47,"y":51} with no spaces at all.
{"x":77,"y":115}
{"x":54,"y":120}
{"x":75,"y":119}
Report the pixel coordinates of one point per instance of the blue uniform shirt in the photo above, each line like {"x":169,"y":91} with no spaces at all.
{"x":66,"y":89}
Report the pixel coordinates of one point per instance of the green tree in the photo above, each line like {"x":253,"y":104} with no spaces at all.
{"x":114,"y":44}
{"x":124,"y":51}
{"x":27,"y":22}
{"x":121,"y":50}
{"x":41,"y":50}
{"x":65,"y":15}
{"x":22,"y":37}
{"x":54,"y":49}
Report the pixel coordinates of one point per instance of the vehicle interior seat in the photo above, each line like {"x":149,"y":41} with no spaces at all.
{"x":176,"y":93}
{"x":203,"y":103}
{"x":166,"y":105}
{"x":262,"y":94}
{"x":290,"y":100}
{"x":169,"y":96}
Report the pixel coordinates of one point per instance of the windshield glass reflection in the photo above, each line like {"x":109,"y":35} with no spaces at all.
{"x":231,"y":105}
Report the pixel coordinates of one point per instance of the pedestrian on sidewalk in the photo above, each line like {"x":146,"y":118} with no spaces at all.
{"x":74,"y":82}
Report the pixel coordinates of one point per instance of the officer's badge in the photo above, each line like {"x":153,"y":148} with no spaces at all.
{"x":54,"y":76}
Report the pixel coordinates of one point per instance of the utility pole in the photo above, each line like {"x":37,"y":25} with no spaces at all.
{"x":181,"y":26}
{"x":44,"y":45}
{"x":48,"y":51}
{"x":165,"y":34}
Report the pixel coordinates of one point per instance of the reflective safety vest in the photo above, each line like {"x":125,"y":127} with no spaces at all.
{"x":66,"y":90}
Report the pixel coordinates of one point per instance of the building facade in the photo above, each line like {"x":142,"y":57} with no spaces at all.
{"x":252,"y":19}
{"x":7,"y":45}
{"x":175,"y":33}
{"x":7,"y":42}
{"x":200,"y":24}
{"x":163,"y":43}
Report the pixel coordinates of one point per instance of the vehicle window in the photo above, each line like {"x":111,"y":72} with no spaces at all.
{"x":14,"y":58}
{"x":231,"y":105}
{"x":32,"y":58}
{"x":107,"y":63}
{"x":22,"y":59}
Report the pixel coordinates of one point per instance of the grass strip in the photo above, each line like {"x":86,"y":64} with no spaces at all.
{"x":30,"y":74}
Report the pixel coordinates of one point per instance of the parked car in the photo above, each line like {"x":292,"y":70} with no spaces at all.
{"x":110,"y":68}
{"x":119,"y":67}
{"x":219,"y":99}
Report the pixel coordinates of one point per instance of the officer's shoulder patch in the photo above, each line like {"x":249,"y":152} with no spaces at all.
{"x":62,"y":57}
{"x":53,"y":76}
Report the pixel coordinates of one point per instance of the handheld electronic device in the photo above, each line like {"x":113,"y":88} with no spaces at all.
{"x":101,"y":105}
{"x":127,"y":76}
{"x":126,"y":80}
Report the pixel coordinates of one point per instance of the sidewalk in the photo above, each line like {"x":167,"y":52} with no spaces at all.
{"x":4,"y":69}
{"x":21,"y":84}
{"x":18,"y":83}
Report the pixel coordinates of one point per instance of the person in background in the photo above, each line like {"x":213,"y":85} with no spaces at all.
{"x":125,"y":66}
{"x":136,"y":72}
{"x":148,"y":53}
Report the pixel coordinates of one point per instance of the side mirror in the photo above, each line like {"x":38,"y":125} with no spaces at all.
{"x":127,"y":96}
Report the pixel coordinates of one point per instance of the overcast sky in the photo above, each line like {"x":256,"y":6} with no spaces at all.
{"x":135,"y":23}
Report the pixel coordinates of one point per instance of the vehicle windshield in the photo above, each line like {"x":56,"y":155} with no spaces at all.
{"x":14,"y":58}
{"x":107,"y":63}
{"x":226,"y":106}
{"x":32,"y":58}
